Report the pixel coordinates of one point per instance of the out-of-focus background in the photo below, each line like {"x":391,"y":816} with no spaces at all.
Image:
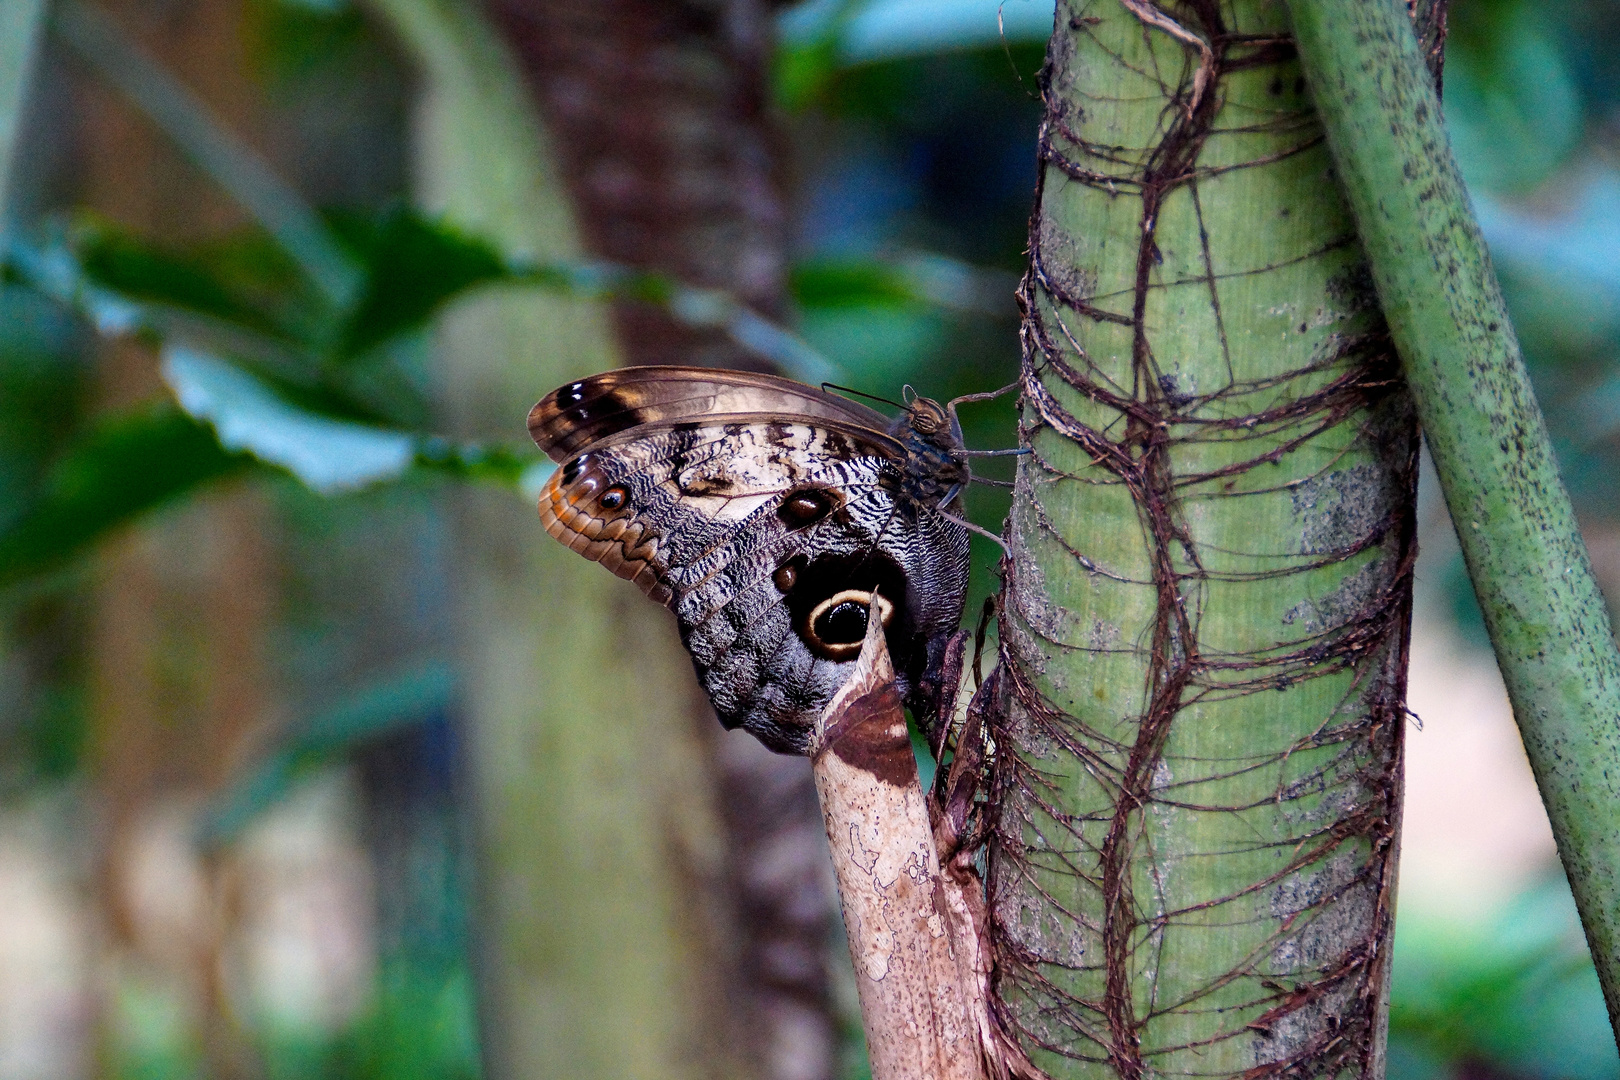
{"x":258,"y":251}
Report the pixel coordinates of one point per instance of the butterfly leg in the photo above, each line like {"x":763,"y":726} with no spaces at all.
{"x":946,"y":680}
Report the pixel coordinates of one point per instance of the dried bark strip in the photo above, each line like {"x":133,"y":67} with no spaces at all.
{"x":1205,"y":616}
{"x":919,"y":1022}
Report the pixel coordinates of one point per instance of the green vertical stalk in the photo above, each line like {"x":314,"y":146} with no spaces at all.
{"x":1519,"y":536}
{"x":1205,"y":616}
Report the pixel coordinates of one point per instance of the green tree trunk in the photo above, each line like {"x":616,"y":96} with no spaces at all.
{"x":602,"y":944}
{"x":1204,"y":622}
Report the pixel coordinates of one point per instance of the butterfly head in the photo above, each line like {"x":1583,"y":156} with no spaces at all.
{"x":934,"y":466}
{"x":927,"y":418}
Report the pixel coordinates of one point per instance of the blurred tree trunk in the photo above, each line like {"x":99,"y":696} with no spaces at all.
{"x":606,"y":933}
{"x":177,"y":665}
{"x":658,"y":114}
{"x":1204,"y":623}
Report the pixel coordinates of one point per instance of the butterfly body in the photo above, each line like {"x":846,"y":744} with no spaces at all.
{"x":766,"y":514}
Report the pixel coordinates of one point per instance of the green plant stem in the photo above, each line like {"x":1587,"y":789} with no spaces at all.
{"x":1519,"y":536}
{"x":20,"y":22}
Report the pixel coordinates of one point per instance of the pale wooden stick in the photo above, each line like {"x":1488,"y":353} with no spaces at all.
{"x":920,"y":1023}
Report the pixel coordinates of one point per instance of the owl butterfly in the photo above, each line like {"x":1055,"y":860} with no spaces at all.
{"x":766,"y":514}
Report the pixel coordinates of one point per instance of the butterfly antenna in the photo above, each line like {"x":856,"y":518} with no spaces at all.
{"x":860,"y":393}
{"x":986,"y":533}
{"x":989,"y":395}
{"x":956,"y":423}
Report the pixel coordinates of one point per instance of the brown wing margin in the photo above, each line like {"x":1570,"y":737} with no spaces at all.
{"x":581,"y":413}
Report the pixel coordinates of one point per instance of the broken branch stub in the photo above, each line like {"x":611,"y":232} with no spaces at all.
{"x":920,"y":1025}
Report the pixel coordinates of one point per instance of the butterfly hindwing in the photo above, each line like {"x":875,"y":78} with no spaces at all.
{"x":767,"y":534}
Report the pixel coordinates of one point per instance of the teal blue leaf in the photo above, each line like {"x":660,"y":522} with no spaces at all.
{"x":328,"y":455}
{"x":1513,"y":108}
{"x":887,"y":29}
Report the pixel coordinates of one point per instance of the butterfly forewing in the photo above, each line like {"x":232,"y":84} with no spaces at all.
{"x":572,"y":417}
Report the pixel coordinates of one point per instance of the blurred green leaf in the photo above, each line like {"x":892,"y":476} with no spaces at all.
{"x":43,"y":384}
{"x":412,"y":268}
{"x":887,"y":345}
{"x":294,"y":42}
{"x":245,"y":280}
{"x":914,"y":279}
{"x":125,"y":466}
{"x":149,"y":1035}
{"x":1517,"y":996}
{"x":833,"y":283}
{"x":327,"y":454}
{"x":1513,"y":108}
{"x":801,"y":73}
{"x":419,"y":1027}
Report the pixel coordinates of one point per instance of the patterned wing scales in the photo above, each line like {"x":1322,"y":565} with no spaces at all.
{"x":659,"y":498}
{"x":749,"y":528}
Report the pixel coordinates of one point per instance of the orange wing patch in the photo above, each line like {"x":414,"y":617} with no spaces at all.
{"x":597,"y":520}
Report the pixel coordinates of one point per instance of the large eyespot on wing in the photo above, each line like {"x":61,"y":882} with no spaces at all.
{"x":774,"y":615}
{"x":829,"y":595}
{"x":587,"y":508}
{"x":581,"y":414}
{"x":836,"y":628}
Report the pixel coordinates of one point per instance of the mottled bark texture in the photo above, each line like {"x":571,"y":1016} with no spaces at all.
{"x":1204,"y":621}
{"x":657,"y":111}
